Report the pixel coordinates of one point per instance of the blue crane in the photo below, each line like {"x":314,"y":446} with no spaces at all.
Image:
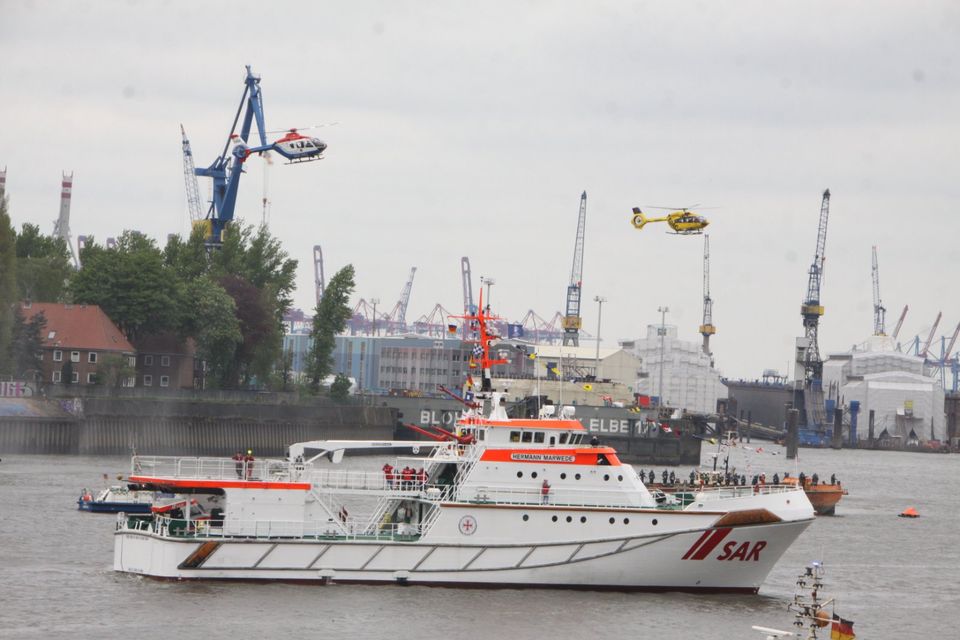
{"x":228,"y":167}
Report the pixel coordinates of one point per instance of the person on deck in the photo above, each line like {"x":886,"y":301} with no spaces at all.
{"x":833,"y":478}
{"x":388,"y":473}
{"x":238,"y":463}
{"x":776,"y":479}
{"x":248,"y":463}
{"x":545,"y":492}
{"x":815,"y":479}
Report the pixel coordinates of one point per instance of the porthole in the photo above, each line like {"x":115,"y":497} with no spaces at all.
{"x":519,"y":474}
{"x":619,"y":478}
{"x":654,"y":522}
{"x":577,"y":477}
{"x":526,"y":517}
{"x":563,"y":476}
{"x":533,"y":475}
{"x":606,"y":477}
{"x":569,"y":519}
{"x":612,"y":520}
{"x":554,"y":518}
{"x":626,"y":521}
{"x":583,"y":518}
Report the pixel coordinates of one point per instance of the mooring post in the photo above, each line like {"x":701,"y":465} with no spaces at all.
{"x":793,"y":416}
{"x":870,"y":430}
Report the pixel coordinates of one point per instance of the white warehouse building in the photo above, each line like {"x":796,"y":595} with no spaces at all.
{"x":906,"y":401}
{"x":689,"y":381}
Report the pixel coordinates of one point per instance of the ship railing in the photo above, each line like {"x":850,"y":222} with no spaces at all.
{"x":741,"y":491}
{"x":351,"y":528}
{"x":330,"y":480}
{"x":507,"y":495}
{"x":175,"y":467}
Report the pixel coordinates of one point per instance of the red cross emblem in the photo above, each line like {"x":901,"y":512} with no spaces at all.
{"x":468,"y":524}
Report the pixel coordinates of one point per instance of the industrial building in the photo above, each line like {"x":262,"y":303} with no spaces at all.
{"x":689,"y":381}
{"x":908,"y":402}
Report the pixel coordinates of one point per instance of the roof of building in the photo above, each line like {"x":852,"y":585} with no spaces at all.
{"x":77,"y":326}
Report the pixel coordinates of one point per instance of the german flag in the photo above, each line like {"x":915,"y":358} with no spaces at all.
{"x":842,"y":629}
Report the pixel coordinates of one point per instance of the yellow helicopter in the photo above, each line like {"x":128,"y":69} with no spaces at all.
{"x":683,"y":221}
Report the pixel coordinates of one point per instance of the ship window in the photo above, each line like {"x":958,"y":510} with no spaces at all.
{"x":626,"y":521}
{"x":482,"y":434}
{"x":533,"y":475}
{"x":525,"y":517}
{"x":538,"y":436}
{"x":514,"y":436}
{"x":569,"y":519}
{"x":654,"y":522}
{"x":527,"y":436}
{"x":612,"y":520}
{"x":519,"y":474}
{"x":554,"y":518}
{"x":553,"y":441}
{"x":606,"y":477}
{"x":619,"y":478}
{"x":583,"y":519}
{"x":563,"y":476}
{"x":563,"y":438}
{"x":576,"y":477}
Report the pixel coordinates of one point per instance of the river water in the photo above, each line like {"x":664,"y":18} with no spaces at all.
{"x":894,"y":577}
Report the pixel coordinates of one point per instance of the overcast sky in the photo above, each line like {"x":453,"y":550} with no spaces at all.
{"x":470,"y":129}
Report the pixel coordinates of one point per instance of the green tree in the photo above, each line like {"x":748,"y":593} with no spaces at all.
{"x":340,"y":389}
{"x":214,"y":325}
{"x":43,"y":265}
{"x":66,"y":374}
{"x":329,"y":318}
{"x":8,"y":287}
{"x":113,"y":369}
{"x":27,"y":345}
{"x":131,"y":284}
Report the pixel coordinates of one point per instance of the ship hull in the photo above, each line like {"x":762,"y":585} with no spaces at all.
{"x":712,"y":559}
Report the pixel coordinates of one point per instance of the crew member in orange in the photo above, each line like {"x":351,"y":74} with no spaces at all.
{"x":388,"y":473}
{"x":238,"y":463}
{"x":248,"y":463}
{"x":545,"y":492}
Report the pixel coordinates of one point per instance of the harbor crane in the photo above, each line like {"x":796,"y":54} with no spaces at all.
{"x":809,"y":362}
{"x":706,"y":328}
{"x":879,"y":311}
{"x":572,"y":321}
{"x":226,"y":170}
{"x":61,"y":227}
{"x":933,"y":331}
{"x":397,"y":317}
{"x":318,"y":281}
{"x":194,"y":205}
{"x":903,"y":315}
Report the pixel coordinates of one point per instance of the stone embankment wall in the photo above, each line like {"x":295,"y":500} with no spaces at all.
{"x":107,"y":426}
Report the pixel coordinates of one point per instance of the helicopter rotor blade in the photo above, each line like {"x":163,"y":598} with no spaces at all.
{"x":315,"y":126}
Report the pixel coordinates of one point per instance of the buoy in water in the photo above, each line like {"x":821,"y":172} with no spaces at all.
{"x":909,"y":512}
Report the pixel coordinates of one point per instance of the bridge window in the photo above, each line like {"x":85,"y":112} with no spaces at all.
{"x":538,"y":437}
{"x":553,"y":441}
{"x":514,"y":436}
{"x":527,"y":436}
{"x":563,"y":438}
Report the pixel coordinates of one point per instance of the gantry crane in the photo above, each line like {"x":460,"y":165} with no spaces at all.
{"x":879,"y":311}
{"x":572,"y":320}
{"x":810,"y":365}
{"x":706,"y":328}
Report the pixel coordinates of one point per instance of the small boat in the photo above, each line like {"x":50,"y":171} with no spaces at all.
{"x":823,"y":497}
{"x":116,"y":499}
{"x":809,"y":607}
{"x":909,"y":512}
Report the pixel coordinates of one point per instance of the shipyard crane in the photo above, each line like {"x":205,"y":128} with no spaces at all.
{"x":903,"y":315}
{"x":706,"y":328}
{"x":467,"y":279}
{"x":879,"y":311}
{"x":572,"y":321}
{"x":398,"y":315}
{"x":226,"y":170}
{"x":318,"y":282}
{"x":194,"y":204}
{"x":808,"y":349}
{"x":933,"y":330}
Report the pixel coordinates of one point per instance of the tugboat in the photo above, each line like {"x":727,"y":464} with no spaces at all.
{"x":497,"y":502}
{"x":810,"y":611}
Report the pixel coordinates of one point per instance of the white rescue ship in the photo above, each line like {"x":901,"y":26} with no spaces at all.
{"x":500,"y":503}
